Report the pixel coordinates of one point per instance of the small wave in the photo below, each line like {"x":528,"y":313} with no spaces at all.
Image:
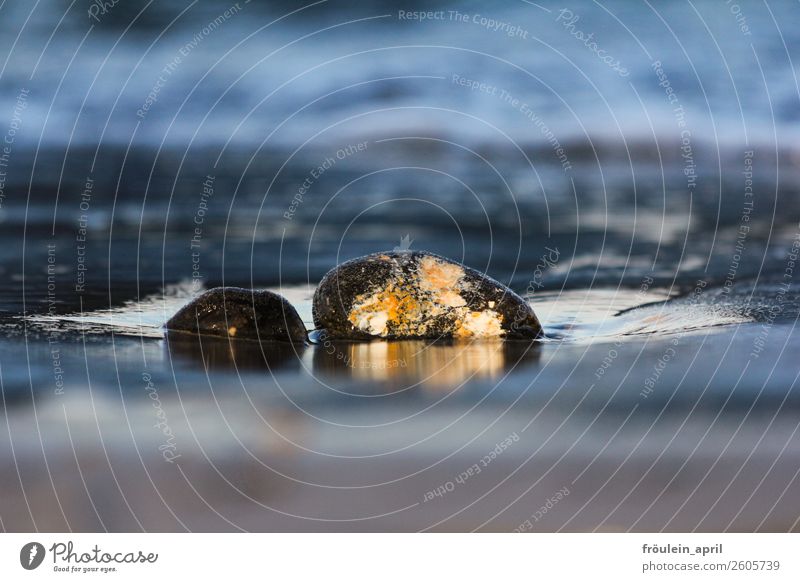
{"x":587,"y":315}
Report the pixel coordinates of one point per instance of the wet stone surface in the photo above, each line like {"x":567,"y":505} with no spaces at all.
{"x":415,"y":294}
{"x":240,"y":314}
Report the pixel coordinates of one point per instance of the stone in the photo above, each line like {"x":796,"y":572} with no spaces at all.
{"x":237,"y":313}
{"x":414,"y":295}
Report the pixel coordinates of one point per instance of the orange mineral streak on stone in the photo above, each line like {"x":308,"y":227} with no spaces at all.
{"x":442,"y":280}
{"x":393,"y":309}
{"x":407,"y":304}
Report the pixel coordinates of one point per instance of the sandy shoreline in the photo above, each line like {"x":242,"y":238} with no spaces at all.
{"x":285,"y":473}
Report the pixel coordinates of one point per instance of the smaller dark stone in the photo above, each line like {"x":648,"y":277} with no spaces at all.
{"x":238,"y":313}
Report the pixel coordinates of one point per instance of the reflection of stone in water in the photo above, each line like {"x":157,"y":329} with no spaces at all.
{"x":215,"y":353}
{"x":432,"y":363}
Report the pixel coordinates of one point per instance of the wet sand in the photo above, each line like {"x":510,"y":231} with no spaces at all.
{"x":238,"y":471}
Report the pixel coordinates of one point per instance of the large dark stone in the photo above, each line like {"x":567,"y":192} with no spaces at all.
{"x":242,"y":314}
{"x":414,"y":294}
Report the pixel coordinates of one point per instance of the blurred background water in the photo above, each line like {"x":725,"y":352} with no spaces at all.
{"x":596,"y":156}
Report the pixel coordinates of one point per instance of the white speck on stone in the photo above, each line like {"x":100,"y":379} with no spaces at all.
{"x":482,"y":324}
{"x":451,"y":299}
{"x":373,"y":323}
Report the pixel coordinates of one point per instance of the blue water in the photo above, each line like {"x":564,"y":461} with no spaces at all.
{"x":328,"y":63}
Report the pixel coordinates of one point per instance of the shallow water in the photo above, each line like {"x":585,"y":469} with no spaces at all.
{"x":575,"y":322}
{"x":356,"y":435}
{"x":569,"y":316}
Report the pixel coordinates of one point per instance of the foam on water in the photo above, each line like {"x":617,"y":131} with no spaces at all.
{"x":590,"y":315}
